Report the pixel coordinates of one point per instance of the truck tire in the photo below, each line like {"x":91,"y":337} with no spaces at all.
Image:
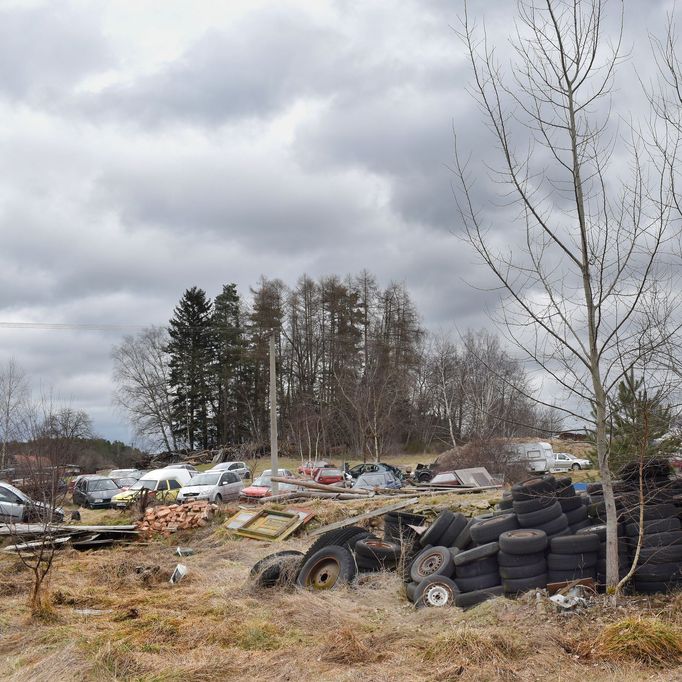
{"x":337,"y":537}
{"x":268,"y":571}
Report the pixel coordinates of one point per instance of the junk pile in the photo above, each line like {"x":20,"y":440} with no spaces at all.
{"x":174,"y":517}
{"x":542,"y":535}
{"x":33,"y":536}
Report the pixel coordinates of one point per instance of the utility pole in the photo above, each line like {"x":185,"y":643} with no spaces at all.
{"x":274,"y":465}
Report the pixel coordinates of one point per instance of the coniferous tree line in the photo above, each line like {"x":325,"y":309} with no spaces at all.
{"x":357,"y":373}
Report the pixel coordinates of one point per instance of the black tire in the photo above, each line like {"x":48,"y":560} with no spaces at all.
{"x":563,"y":483}
{"x":555,"y":527}
{"x":540,"y":517}
{"x":480,"y":552}
{"x":386,"y":554}
{"x":576,"y":515}
{"x":653,"y":526}
{"x":327,"y":569}
{"x":471,"y":599}
{"x":407,"y":518}
{"x":454,"y":529}
{"x":533,"y":487}
{"x":475,"y":568}
{"x":594,"y":488}
{"x":651,"y":513}
{"x":463,"y":540}
{"x":568,"y":576}
{"x":660,"y":555}
{"x":570,"y":504}
{"x":575,"y":467}
{"x":516,"y":560}
{"x":598,"y":530}
{"x":410,"y":590}
{"x":670,"y":539}
{"x":434,"y":532}
{"x":658,"y":572}
{"x":356,"y":538}
{"x":432,"y":561}
{"x":526,"y":571}
{"x":479,"y":582}
{"x":436,"y":591}
{"x":519,"y":585}
{"x":568,"y":562}
{"x":653,"y":588}
{"x":506,"y":504}
{"x":581,"y":525}
{"x":276,"y":568}
{"x":491,"y":529}
{"x":338,"y":537}
{"x":533,"y":505}
{"x":525,"y":541}
{"x":575,"y":544}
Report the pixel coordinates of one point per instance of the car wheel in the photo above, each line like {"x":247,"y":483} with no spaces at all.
{"x":575,"y":467}
{"x":218,"y":499}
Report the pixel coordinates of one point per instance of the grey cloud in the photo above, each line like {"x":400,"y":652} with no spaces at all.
{"x":46,"y":50}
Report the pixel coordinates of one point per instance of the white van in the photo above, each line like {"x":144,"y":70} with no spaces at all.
{"x":538,"y":457}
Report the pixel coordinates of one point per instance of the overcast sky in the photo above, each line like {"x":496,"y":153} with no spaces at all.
{"x":147,"y":146}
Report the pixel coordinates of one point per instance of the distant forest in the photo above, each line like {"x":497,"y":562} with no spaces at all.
{"x":356,"y":373}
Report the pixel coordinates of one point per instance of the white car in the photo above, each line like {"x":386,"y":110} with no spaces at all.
{"x":564,"y":461}
{"x":238,"y":468}
{"x":214,"y":486}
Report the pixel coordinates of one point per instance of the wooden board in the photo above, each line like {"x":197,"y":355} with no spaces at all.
{"x":269,"y":524}
{"x":367,"y":515}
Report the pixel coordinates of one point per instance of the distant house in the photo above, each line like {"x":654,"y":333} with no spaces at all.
{"x":578,"y":436}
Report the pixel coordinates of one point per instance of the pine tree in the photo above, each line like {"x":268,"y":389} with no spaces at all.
{"x":229,"y":370}
{"x":639,"y":421}
{"x":191,"y":365}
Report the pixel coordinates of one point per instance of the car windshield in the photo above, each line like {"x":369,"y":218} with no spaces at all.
{"x":125,"y":482}
{"x":106,"y":484}
{"x":206,"y":479}
{"x":263,"y":481}
{"x":147,"y":483}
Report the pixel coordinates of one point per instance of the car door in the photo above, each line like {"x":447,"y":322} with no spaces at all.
{"x":79,"y":492}
{"x":230,"y":485}
{"x":173,"y":489}
{"x":11,"y":506}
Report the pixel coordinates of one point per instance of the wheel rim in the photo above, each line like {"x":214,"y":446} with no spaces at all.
{"x":437,"y":595}
{"x":430,"y":564}
{"x":324,"y":574}
{"x":575,"y":467}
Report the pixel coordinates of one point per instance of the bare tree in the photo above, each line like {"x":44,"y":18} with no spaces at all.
{"x":14,"y":392}
{"x":51,"y":435}
{"x":587,"y":266}
{"x":141,"y":373}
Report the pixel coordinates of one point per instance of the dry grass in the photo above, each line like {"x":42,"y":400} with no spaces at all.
{"x":646,"y":640}
{"x":214,"y":625}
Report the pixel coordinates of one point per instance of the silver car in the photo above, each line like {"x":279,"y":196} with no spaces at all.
{"x":17,"y":507}
{"x":238,"y":468}
{"x":215,"y":486}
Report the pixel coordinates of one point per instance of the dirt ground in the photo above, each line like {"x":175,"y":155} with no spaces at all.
{"x":115,"y":616}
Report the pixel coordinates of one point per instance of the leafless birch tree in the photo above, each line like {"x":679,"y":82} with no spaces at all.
{"x":590,"y":236}
{"x":13,"y":396}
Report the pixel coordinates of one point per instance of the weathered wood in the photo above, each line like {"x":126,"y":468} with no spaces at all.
{"x":367,"y":515}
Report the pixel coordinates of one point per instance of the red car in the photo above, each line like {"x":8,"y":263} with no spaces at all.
{"x":262,"y":486}
{"x":328,"y":475}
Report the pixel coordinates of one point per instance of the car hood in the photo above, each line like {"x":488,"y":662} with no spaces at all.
{"x":196,"y":489}
{"x":103,"y":494}
{"x":255,"y":491}
{"x":126,"y":494}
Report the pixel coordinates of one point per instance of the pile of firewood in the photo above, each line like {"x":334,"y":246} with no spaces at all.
{"x":171,"y":518}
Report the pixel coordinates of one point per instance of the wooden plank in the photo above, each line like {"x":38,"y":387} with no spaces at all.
{"x":322,"y":486}
{"x":367,"y":515}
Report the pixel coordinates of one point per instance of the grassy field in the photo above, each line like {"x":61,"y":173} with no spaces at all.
{"x":115,"y":616}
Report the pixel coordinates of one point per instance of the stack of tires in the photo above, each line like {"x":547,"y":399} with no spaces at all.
{"x":659,"y":565}
{"x":573,"y":557}
{"x":522,"y":560}
{"x":477,"y":574}
{"x":429,"y":574}
{"x":623,"y":555}
{"x":536,"y":505}
{"x":572,"y":505}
